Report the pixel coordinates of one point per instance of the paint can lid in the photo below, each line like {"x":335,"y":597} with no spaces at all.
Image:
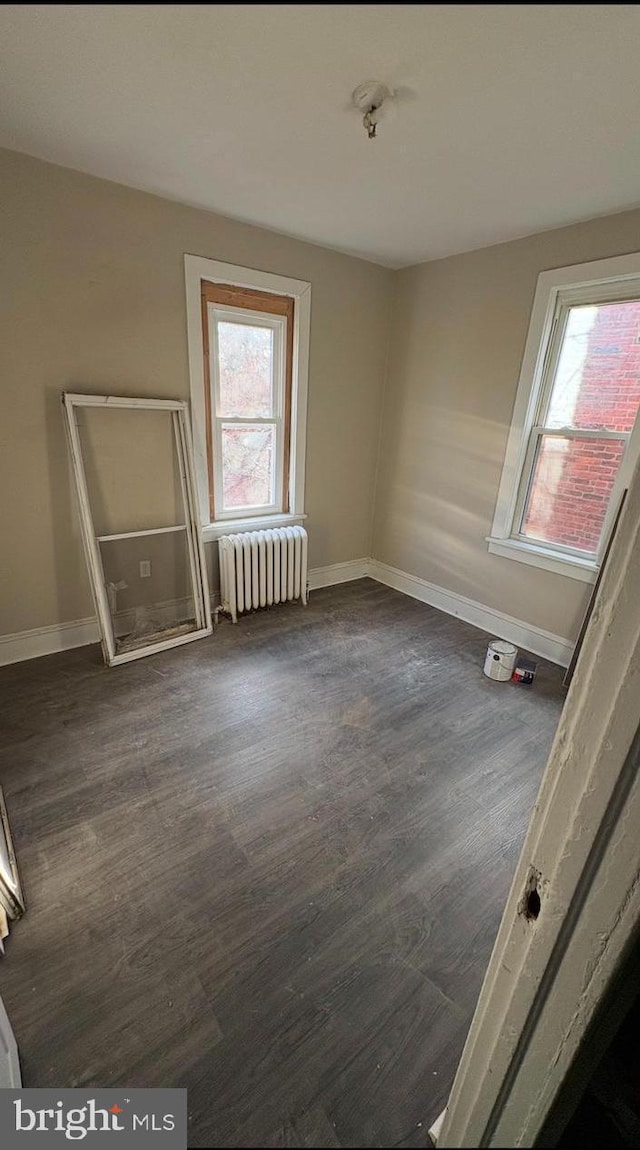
{"x":501,"y":647}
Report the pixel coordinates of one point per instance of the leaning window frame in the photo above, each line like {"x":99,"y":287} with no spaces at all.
{"x":178,"y":411}
{"x":199,"y":269}
{"x":557,"y":291}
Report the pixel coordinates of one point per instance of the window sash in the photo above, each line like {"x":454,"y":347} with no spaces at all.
{"x":555,"y":340}
{"x":564,"y":301}
{"x":278,"y":325}
{"x":242,"y":510}
{"x":528,"y":471}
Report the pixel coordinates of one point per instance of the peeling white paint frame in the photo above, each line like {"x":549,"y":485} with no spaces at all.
{"x":184,"y":449}
{"x":547,"y":976}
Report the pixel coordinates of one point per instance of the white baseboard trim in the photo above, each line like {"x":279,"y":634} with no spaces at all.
{"x":63,"y":636}
{"x":525,"y":635}
{"x":337,"y":573}
{"x":47,"y":640}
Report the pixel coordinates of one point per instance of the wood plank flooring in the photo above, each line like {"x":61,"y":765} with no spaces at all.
{"x":268,"y":866}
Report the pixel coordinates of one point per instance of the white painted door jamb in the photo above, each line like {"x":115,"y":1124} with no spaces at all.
{"x":580,"y":858}
{"x":10,"y":1077}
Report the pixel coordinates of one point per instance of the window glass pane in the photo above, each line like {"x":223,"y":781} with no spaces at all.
{"x":132,"y":468}
{"x":248,"y":466}
{"x":245,"y":362}
{"x":597,"y":381}
{"x":570,"y":490}
{"x":149,"y":588}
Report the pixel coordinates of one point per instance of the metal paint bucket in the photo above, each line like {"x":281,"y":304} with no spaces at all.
{"x":500,"y":660}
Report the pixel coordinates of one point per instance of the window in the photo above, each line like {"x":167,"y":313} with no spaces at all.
{"x":248,"y":355}
{"x":247,"y":348}
{"x":573,"y":445}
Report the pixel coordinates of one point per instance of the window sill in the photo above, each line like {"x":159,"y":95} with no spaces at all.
{"x":548,"y":560}
{"x":213,"y":531}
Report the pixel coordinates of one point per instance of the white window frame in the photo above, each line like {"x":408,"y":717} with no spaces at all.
{"x":222,"y":313}
{"x":600,"y":281}
{"x":197,"y":269}
{"x":203,"y":624}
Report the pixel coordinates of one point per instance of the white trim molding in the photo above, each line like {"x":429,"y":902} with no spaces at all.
{"x":39,"y":641}
{"x":338,"y":573}
{"x":556,"y":290}
{"x":197,"y":269}
{"x":64,"y":636}
{"x":541,"y":557}
{"x":525,"y":635}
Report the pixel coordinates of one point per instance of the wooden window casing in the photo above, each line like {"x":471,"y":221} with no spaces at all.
{"x":248,"y":299}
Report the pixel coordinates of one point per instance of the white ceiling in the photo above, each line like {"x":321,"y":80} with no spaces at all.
{"x":509,"y":119}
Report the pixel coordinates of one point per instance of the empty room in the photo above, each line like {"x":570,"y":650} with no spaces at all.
{"x":319,"y":588}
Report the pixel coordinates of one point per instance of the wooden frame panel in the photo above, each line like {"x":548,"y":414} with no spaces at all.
{"x":200,"y":587}
{"x":248,"y":299}
{"x":277,"y":325}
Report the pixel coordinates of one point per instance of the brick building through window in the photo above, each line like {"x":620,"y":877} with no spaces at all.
{"x":596,"y":388}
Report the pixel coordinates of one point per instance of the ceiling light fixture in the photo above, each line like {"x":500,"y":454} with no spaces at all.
{"x":369,"y":98}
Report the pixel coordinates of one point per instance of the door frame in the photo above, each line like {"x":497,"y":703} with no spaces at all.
{"x":553,"y":959}
{"x":10,"y":1077}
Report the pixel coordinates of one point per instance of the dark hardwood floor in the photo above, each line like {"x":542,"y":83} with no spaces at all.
{"x":268,"y":866}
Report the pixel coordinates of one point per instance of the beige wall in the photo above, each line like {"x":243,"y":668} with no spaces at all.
{"x":458,"y":332}
{"x":93,"y":298}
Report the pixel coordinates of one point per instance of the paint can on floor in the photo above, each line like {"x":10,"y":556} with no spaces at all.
{"x":500,"y":660}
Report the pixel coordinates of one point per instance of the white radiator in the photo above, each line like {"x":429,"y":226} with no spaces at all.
{"x":260,"y":568}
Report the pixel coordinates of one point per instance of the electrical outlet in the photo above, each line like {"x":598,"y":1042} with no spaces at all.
{"x":145,"y":568}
